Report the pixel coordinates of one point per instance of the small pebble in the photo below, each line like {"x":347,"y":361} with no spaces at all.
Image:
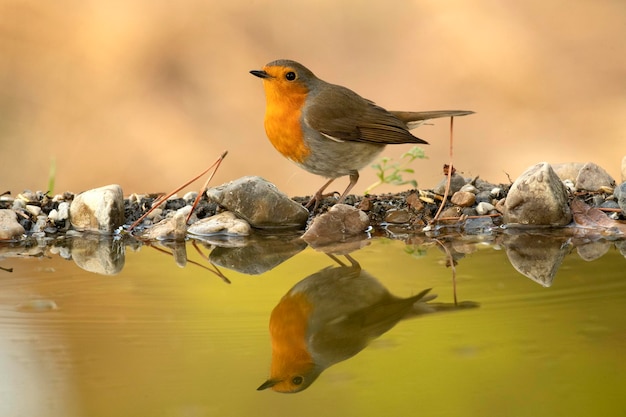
{"x":463,"y":198}
{"x":34,"y":210}
{"x":64,"y":210}
{"x":484,"y":208}
{"x":53,"y":216}
{"x":190,"y":196}
{"x":469,"y":188}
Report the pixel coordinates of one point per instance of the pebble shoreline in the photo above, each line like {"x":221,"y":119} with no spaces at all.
{"x":540,"y":196}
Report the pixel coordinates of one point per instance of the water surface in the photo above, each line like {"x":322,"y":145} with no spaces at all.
{"x":158,"y":339}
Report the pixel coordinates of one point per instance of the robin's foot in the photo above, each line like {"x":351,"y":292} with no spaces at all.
{"x":318,"y":197}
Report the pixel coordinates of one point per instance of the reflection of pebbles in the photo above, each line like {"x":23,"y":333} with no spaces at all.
{"x":99,"y":254}
{"x":537,"y":257}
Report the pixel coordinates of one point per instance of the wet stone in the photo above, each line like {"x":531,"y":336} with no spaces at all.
{"x":10,"y":229}
{"x":260,"y":203}
{"x":338,"y":223}
{"x":396,"y":216}
{"x":478,"y":226}
{"x":537,"y":197}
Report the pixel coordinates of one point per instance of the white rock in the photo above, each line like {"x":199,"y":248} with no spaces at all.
{"x":64,"y":210}
{"x":483,"y":208}
{"x":225,"y":223}
{"x":98,"y":210}
{"x":34,"y":210}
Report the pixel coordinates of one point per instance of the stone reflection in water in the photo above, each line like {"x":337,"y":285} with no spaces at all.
{"x":331,"y":316}
{"x":98,"y":253}
{"x":258,"y":254}
{"x":536,"y":256}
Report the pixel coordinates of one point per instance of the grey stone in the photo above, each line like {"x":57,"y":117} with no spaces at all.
{"x":260,"y":203}
{"x":10,"y":229}
{"x":225,"y":223}
{"x":456,"y":183}
{"x":593,"y":178}
{"x":478,"y":226}
{"x":98,"y":210}
{"x":484,"y":196}
{"x":538,"y":197}
{"x":620,"y":195}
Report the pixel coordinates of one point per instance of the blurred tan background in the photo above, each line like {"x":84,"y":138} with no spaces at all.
{"x":148,"y":93}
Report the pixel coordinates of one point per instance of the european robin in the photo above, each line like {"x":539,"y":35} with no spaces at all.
{"x":331,"y":316}
{"x":328,"y":129}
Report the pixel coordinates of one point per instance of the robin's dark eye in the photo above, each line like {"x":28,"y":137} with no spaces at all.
{"x":297,"y":380}
{"x":290,"y":76}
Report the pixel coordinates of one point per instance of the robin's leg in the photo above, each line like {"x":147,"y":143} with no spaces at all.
{"x":354,"y":177}
{"x":319,"y":195}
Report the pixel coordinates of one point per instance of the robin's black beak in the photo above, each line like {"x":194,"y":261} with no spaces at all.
{"x":260,"y":74}
{"x":270,"y":382}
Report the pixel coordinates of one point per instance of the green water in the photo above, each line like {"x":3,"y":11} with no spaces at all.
{"x":158,"y":339}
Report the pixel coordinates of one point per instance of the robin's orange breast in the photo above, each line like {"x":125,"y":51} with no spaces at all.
{"x":283,"y":126}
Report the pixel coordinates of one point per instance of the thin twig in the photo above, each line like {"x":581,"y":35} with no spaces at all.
{"x":450,"y":169}
{"x":164,"y":198}
{"x":206,"y":185}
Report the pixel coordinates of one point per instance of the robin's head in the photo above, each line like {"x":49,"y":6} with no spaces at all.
{"x":293,"y":382}
{"x":285,"y":77}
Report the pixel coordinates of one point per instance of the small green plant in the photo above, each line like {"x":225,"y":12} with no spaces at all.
{"x":52,"y":174}
{"x":389,"y":172}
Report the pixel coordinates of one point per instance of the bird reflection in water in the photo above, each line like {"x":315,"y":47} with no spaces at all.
{"x":331,"y":316}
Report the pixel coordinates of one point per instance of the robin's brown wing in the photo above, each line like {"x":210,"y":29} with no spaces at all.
{"x":341,"y":114}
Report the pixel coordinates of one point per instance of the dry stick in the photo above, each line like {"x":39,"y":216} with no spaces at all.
{"x":162,"y":199}
{"x":206,"y":185}
{"x":445,"y":194}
